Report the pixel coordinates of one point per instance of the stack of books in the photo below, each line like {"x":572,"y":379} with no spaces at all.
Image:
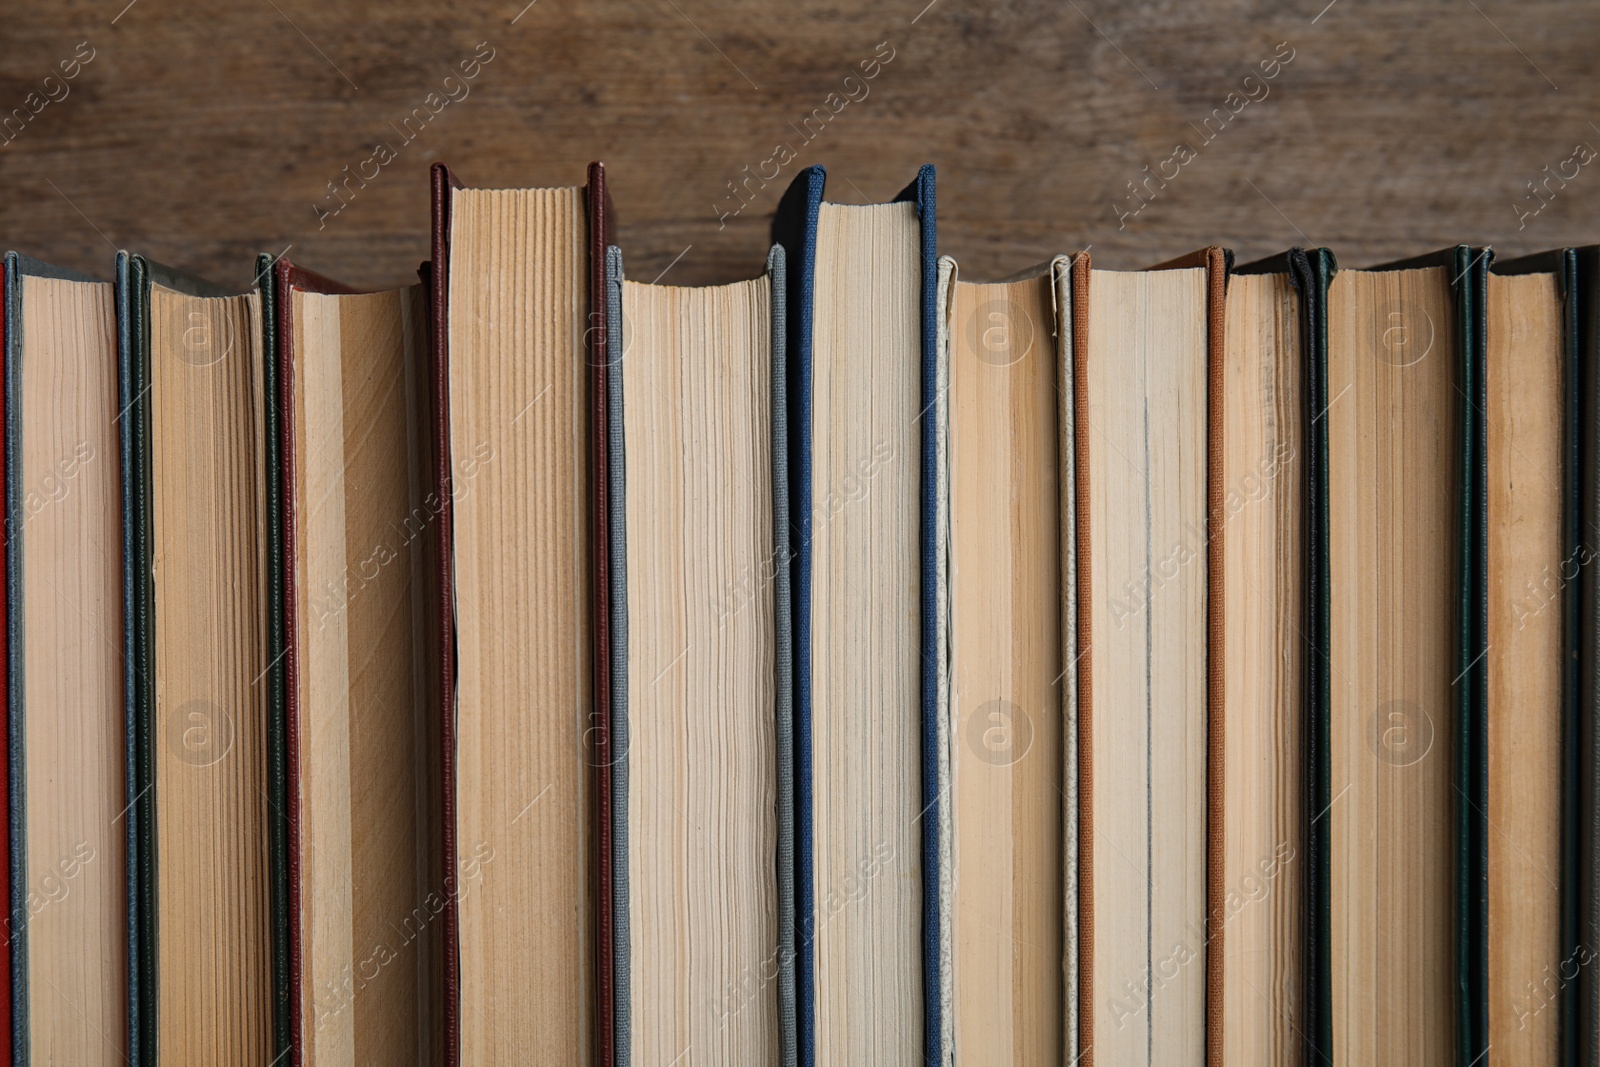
{"x":855,"y":664}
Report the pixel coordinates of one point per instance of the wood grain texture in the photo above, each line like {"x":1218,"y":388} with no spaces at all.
{"x":201,"y":134}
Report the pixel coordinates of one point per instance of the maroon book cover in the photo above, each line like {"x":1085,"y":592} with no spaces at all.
{"x":439,"y":398}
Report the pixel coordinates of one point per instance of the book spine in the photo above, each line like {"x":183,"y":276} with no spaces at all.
{"x":439,"y":381}
{"x":783,"y":704}
{"x":13,"y":997}
{"x":794,"y":226}
{"x":598,"y":204}
{"x":282,"y":747}
{"x":620,"y":949}
{"x":1216,"y":649}
{"x":1085,"y":597}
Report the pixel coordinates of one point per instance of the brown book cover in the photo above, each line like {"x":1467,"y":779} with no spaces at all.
{"x":437,"y":279}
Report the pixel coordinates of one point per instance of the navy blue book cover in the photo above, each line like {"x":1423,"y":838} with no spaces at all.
{"x":795,"y":228}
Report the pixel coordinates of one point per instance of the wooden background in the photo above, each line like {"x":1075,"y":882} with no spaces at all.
{"x":203,"y":132}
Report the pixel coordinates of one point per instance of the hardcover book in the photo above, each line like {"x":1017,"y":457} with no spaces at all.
{"x":1581,"y":996}
{"x":1005,"y":728}
{"x":1268,"y":426}
{"x":353,"y":555}
{"x":517,"y":352}
{"x":864,"y":496}
{"x":1407,"y":664}
{"x":1148,"y":352}
{"x":1539,"y":547}
{"x":195,"y":516}
{"x":852,"y":663}
{"x":702,"y":735}
{"x":67,"y":921}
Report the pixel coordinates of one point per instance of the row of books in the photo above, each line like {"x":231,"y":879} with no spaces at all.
{"x":852,"y":664}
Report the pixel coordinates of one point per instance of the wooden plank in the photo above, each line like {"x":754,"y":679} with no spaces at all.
{"x":202,"y":133}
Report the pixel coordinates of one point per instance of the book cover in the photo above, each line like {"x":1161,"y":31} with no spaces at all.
{"x":795,"y":228}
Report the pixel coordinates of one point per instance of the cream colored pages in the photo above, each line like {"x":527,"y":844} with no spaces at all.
{"x":209,"y":525}
{"x":520,"y":462}
{"x":702,"y":823}
{"x":1146,"y":378}
{"x":69,"y":528}
{"x":1523,"y":379}
{"x":1264,"y":861}
{"x":369,"y":898}
{"x":865,"y":647}
{"x":1393,"y":505}
{"x":1005,"y":729}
